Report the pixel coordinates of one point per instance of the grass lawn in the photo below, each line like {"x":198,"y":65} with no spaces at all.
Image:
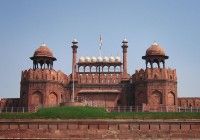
{"x":65,"y":112}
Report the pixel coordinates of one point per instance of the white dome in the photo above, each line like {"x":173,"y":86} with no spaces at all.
{"x":87,"y":59}
{"x":105,"y":59}
{"x":99,"y":59}
{"x":94,"y":59}
{"x":117,"y":59}
{"x":112,"y":59}
{"x":81,"y":59}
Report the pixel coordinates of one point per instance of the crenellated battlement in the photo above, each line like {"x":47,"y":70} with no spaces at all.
{"x":44,"y":74}
{"x":155,"y":73}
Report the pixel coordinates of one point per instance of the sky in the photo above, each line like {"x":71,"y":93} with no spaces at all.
{"x":26,"y":24}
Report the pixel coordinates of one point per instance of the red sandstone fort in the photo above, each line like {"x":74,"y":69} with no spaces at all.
{"x":103,"y":81}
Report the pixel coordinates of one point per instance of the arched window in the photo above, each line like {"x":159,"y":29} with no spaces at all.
{"x":93,"y":69}
{"x":105,"y":69}
{"x":87,"y":69}
{"x":81,"y":69}
{"x":117,"y":69}
{"x":111,"y":69}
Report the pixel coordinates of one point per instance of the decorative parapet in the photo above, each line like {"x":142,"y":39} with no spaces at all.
{"x":155,"y":73}
{"x":46,"y":74}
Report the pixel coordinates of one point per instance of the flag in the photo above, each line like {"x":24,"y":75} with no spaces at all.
{"x":100,"y":42}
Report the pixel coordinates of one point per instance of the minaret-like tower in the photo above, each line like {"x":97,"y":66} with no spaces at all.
{"x":156,"y":86}
{"x":74,"y":51}
{"x":74,"y":75}
{"x":125,"y":75}
{"x":42,"y":85}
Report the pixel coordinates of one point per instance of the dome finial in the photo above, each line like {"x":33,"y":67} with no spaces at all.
{"x":74,"y":41}
{"x":124,"y":40}
{"x":155,"y":43}
{"x":43,"y":44}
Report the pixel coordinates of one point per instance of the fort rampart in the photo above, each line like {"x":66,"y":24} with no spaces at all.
{"x":99,"y":129}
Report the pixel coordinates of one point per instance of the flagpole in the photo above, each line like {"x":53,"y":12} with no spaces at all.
{"x":100,"y":46}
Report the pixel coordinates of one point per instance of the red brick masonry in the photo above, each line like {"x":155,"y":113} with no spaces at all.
{"x":99,"y":129}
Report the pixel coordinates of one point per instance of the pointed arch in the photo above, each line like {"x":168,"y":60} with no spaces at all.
{"x":53,"y":99}
{"x":156,"y":98}
{"x":105,"y":69}
{"x":171,"y":98}
{"x":37,"y":99}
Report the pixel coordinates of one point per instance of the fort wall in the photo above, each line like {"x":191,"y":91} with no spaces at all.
{"x":100,"y":129}
{"x":189,"y":102}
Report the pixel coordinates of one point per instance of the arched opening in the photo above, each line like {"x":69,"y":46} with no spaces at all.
{"x":37,"y":99}
{"x":93,"y":69}
{"x":155,"y":65}
{"x":34,"y":64}
{"x":148,"y":65}
{"x":81,"y":69}
{"x":111,"y":69}
{"x":87,"y":69}
{"x":105,"y":69}
{"x":53,"y":99}
{"x":41,"y":62}
{"x":171,"y":98}
{"x":156,"y":98}
{"x":117,"y":69}
{"x":163,"y":63}
{"x":47,"y":64}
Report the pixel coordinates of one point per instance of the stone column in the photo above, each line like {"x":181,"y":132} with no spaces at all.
{"x":74,"y":51}
{"x":124,"y":47}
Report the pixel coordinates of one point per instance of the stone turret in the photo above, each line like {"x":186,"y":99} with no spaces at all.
{"x":155,"y":87}
{"x":42,"y":85}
